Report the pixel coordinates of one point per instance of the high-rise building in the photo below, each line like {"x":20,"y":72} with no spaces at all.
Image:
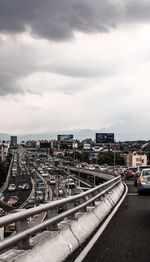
{"x":13,"y":141}
{"x":4,"y":149}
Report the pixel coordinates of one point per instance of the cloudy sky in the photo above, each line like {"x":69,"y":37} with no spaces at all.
{"x":77,"y":64}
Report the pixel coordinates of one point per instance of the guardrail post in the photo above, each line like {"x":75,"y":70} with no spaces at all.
{"x":52,"y":213}
{"x":83,"y":200}
{"x":92,"y":204}
{"x":22,"y":225}
{"x":68,"y":207}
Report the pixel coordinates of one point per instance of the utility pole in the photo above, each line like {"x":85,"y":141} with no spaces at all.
{"x":115,"y":156}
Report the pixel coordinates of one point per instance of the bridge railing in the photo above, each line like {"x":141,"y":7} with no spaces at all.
{"x":69,"y":207}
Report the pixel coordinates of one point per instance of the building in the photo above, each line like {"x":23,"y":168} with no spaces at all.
{"x":30,"y":144}
{"x":4,"y":149}
{"x":13,"y":141}
{"x":134,"y":159}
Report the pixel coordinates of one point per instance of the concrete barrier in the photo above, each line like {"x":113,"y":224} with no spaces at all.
{"x":57,"y":247}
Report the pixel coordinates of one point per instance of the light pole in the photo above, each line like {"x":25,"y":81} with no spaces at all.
{"x":57,"y":184}
{"x":79,"y":176}
{"x":114,"y":158}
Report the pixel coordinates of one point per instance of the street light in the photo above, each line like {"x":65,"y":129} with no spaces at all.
{"x":57,"y":184}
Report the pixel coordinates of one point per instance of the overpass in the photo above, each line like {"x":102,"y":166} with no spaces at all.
{"x":60,"y":235}
{"x":127,"y":236}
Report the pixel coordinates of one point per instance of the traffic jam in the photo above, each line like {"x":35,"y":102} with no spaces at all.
{"x":34,"y":180}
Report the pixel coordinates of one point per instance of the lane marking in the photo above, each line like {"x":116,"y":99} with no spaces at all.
{"x":85,"y":251}
{"x":132,"y":194}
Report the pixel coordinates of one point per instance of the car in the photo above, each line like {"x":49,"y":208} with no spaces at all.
{"x":130,"y":172}
{"x":12,"y":187}
{"x":44,"y":174}
{"x":32,"y":202}
{"x":69,"y":182}
{"x":138,"y":172}
{"x":39,"y":196}
{"x":41,"y":188}
{"x":143,"y":182}
{"x":14,"y":169}
{"x":24,"y":186}
{"x":60,"y":191}
{"x":1,"y":196}
{"x":91,"y":167}
{"x":13,"y":200}
{"x":52,"y":181}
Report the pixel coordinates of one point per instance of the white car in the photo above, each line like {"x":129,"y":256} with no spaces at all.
{"x":12,"y":187}
{"x":24,"y":186}
{"x":69,"y":182}
{"x":44,"y":174}
{"x":1,"y":196}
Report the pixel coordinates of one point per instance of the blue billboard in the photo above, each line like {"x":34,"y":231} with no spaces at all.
{"x":65,"y":139}
{"x":102,"y":138}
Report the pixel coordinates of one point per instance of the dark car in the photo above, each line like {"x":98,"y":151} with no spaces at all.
{"x":39,"y":196}
{"x":130,"y":172}
{"x":13,"y":201}
{"x":32,"y":202}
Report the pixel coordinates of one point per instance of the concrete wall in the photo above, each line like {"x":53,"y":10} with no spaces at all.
{"x":57,"y":247}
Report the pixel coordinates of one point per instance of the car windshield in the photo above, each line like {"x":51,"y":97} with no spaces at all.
{"x":13,"y":197}
{"x":146,"y":173}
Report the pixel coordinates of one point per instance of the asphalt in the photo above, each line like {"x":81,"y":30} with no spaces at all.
{"x":127,"y":236}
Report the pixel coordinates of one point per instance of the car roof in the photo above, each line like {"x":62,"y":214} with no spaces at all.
{"x":13,"y":197}
{"x":146,"y":169}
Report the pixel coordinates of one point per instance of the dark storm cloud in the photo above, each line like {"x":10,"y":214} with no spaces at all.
{"x":57,"y":19}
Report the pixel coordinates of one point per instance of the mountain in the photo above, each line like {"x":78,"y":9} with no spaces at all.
{"x":4,"y":136}
{"x":119,"y":130}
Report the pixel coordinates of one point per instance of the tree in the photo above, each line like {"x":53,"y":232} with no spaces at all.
{"x":108,"y":158}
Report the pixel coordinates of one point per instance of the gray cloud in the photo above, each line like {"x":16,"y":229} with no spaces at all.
{"x":137,"y":10}
{"x":79,"y":71}
{"x":57,"y":19}
{"x":8,"y":84}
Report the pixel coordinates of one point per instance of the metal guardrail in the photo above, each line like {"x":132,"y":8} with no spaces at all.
{"x":70,"y":205}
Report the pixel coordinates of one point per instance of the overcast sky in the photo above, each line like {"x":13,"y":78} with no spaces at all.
{"x":75,"y":64}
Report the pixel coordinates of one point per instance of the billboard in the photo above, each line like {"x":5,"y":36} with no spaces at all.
{"x":86,"y":146}
{"x":102,"y":138}
{"x":65,"y":139}
{"x":45,"y":144}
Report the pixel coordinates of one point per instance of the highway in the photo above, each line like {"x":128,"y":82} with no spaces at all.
{"x":127,"y":236}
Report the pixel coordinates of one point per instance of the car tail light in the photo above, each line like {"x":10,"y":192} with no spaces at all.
{"x":142,"y":179}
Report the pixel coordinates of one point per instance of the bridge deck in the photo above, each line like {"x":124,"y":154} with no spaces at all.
{"x":127,"y":236}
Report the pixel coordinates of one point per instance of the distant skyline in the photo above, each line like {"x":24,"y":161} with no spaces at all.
{"x":74,"y":65}
{"x":78,"y":134}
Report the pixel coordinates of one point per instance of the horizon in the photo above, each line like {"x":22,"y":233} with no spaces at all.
{"x":76,"y":136}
